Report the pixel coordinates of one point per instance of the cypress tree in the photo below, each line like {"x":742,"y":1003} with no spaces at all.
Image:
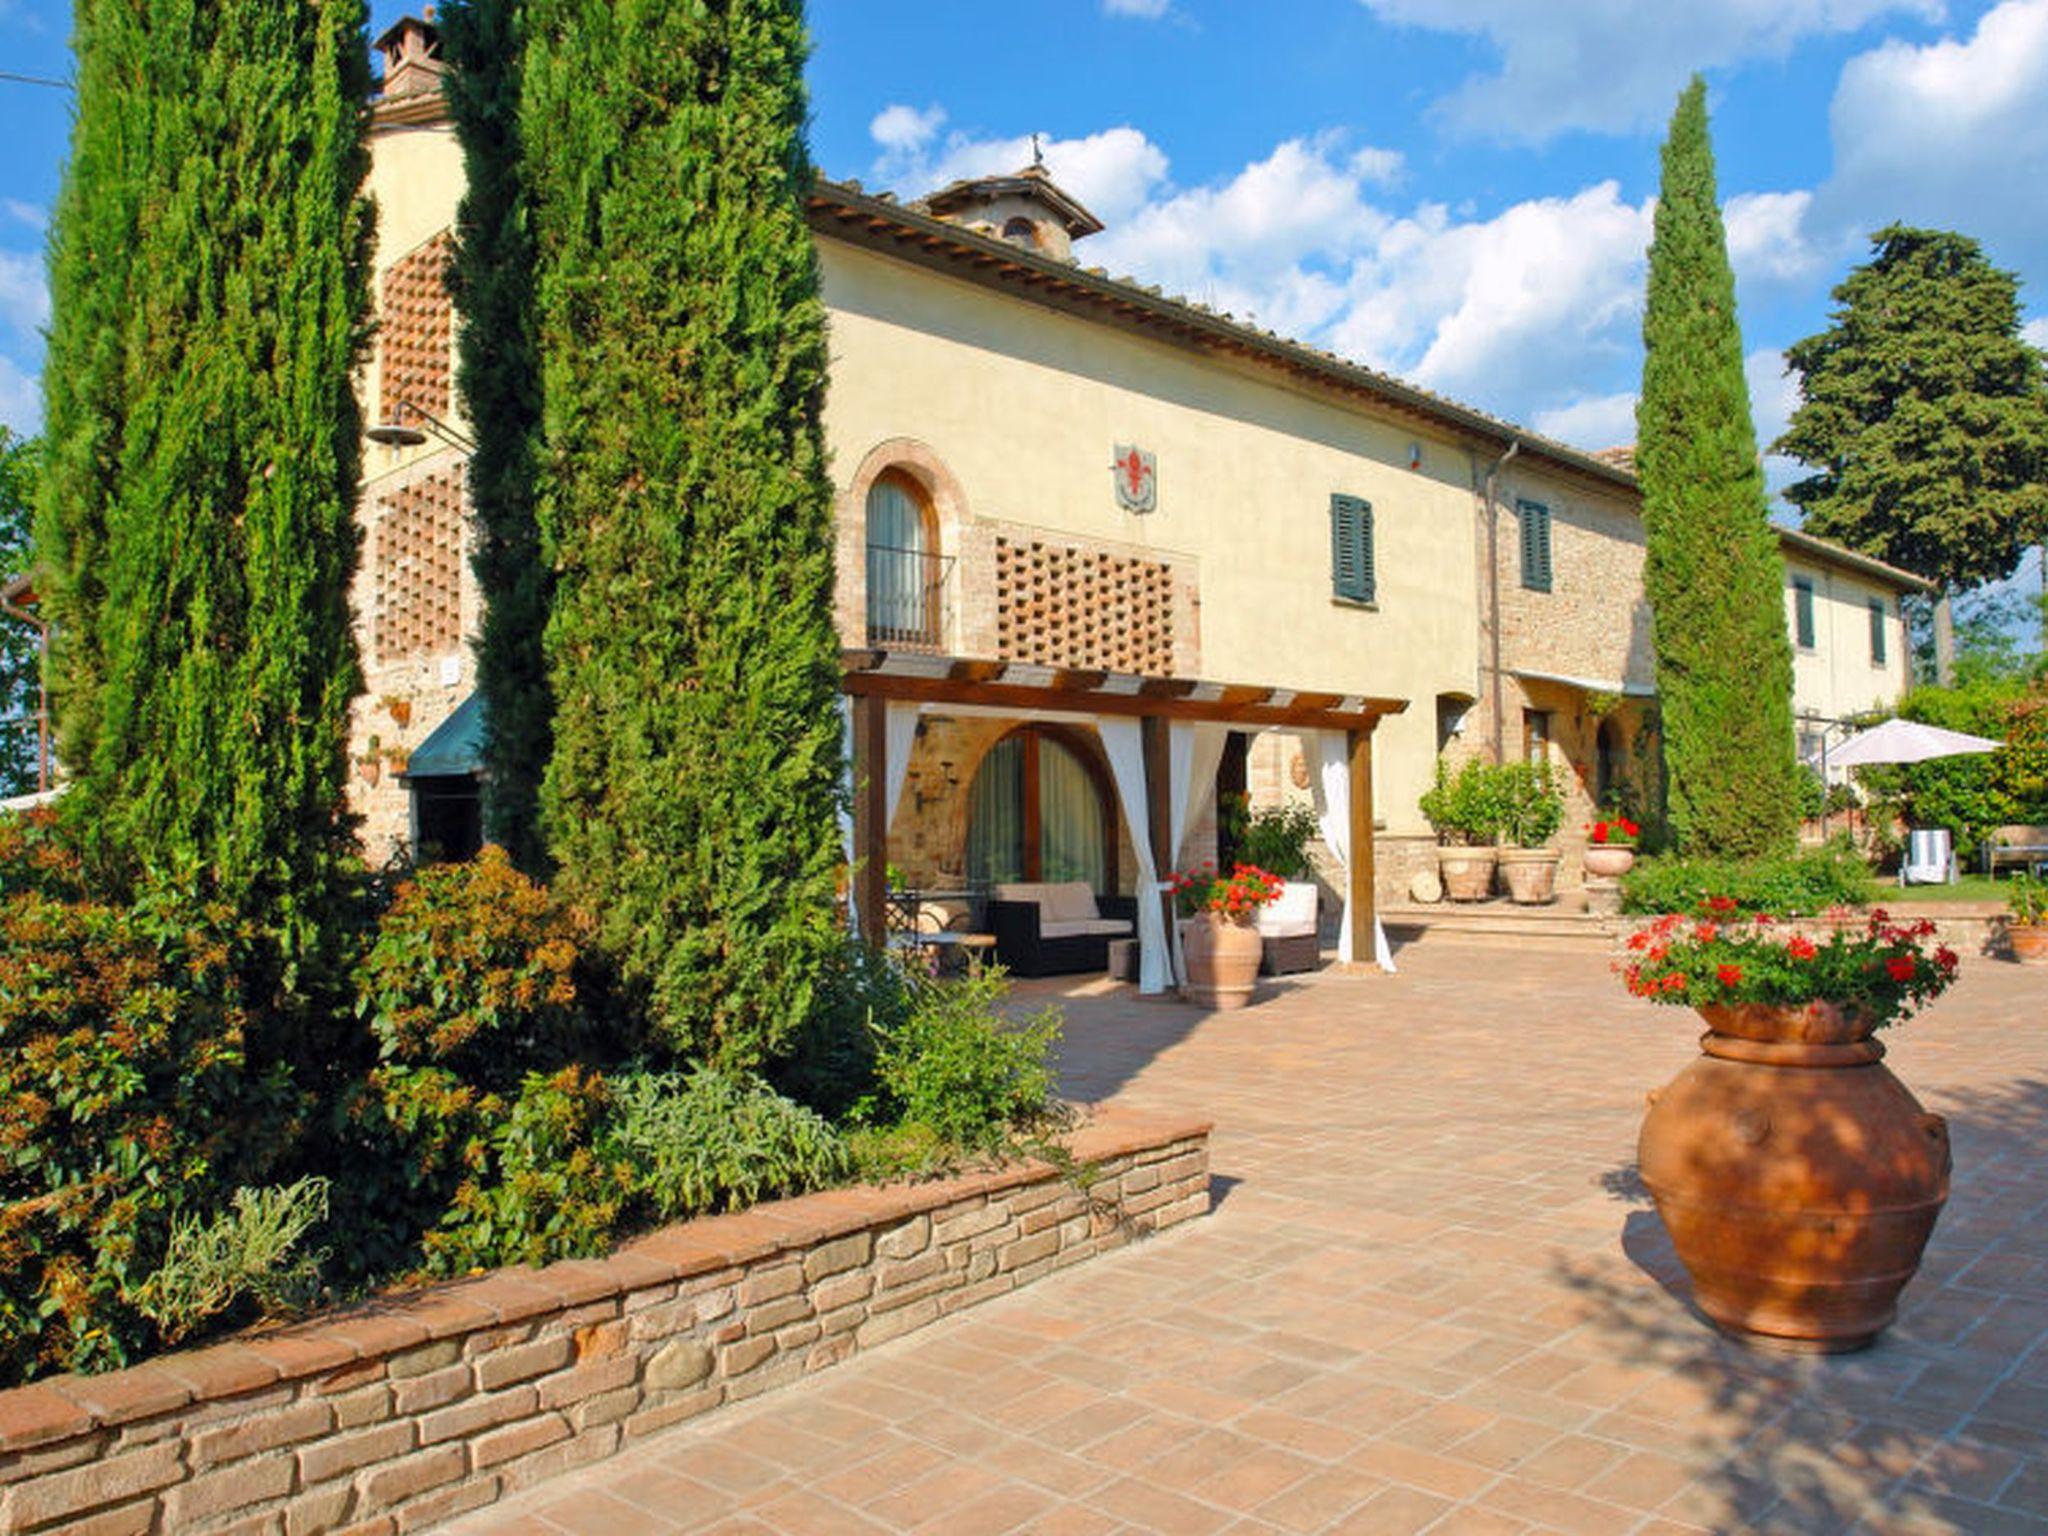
{"x":691,"y":799}
{"x":1713,"y":572}
{"x":207,"y":455}
{"x":1924,"y":416}
{"x":498,"y":374}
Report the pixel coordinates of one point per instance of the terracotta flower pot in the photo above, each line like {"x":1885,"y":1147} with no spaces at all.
{"x":1223,"y":955}
{"x":1530,"y":874}
{"x":1467,"y":872}
{"x":1798,"y":1178}
{"x":2029,"y":942}
{"x":1609,"y":861}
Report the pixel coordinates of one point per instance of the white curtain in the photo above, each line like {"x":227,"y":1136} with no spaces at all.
{"x":901,"y":735}
{"x":1123,"y":745}
{"x":846,"y":807}
{"x":1193,"y":752}
{"x":1332,"y":786}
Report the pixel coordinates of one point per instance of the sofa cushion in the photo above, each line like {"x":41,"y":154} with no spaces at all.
{"x":1022,"y":890}
{"x":1070,"y":901}
{"x":1084,"y":927}
{"x":1293,"y":914}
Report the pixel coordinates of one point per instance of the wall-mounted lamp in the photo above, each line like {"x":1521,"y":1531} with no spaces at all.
{"x":408,"y":427}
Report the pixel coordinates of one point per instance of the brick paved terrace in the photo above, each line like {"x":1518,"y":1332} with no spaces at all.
{"x":1431,"y":1296}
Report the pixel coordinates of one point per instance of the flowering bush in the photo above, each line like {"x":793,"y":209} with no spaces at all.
{"x":1883,"y":969}
{"x":2027,"y":900}
{"x":1240,"y":893}
{"x":1618,"y":833}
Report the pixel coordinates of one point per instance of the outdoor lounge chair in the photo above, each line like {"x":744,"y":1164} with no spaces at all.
{"x":1930,"y":858}
{"x":1058,"y":928}
{"x":1288,"y":929}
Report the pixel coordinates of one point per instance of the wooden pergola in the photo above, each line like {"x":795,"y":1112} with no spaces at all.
{"x":873,"y":678}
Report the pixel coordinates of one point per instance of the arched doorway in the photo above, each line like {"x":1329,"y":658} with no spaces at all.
{"x":1608,"y":762}
{"x":1039,"y":809}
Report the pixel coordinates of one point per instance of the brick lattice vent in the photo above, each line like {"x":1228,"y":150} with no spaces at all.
{"x":1068,"y":607}
{"x":408,"y":1410}
{"x":416,"y":330}
{"x":418,"y":594}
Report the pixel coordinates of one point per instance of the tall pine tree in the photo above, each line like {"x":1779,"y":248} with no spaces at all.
{"x":498,"y":373}
{"x":1713,"y":572}
{"x":1924,"y":416}
{"x":691,"y":800}
{"x":200,"y":515}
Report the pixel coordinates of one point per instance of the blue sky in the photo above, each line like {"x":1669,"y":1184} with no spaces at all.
{"x":1457,"y":190}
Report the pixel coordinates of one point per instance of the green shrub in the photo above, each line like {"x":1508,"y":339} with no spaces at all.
{"x":479,"y":996}
{"x":2026,"y":898}
{"x":1811,"y":793}
{"x":829,"y":1063}
{"x":136,"y":1091}
{"x":954,"y":1067}
{"x":1790,"y":885}
{"x":250,"y":1252}
{"x":1530,"y":805}
{"x":710,"y":1142}
{"x":1276,"y":839}
{"x":35,"y":857}
{"x":1465,"y":807}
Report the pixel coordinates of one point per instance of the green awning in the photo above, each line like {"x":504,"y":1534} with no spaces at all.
{"x":455,"y":747}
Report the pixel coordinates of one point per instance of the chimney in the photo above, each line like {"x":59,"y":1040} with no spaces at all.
{"x":413,"y":65}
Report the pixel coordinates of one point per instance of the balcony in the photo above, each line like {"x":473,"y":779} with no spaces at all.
{"x":907,"y":598}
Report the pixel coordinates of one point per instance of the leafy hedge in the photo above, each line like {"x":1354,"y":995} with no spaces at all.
{"x":1796,"y":884}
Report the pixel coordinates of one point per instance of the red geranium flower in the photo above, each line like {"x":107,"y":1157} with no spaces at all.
{"x":1900,"y":968}
{"x":1801,"y":947}
{"x":1729,"y":975}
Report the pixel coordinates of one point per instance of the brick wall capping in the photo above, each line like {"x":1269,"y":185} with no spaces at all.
{"x":66,"y":1407}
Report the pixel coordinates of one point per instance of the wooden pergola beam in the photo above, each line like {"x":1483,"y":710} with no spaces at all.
{"x":1024,"y":698}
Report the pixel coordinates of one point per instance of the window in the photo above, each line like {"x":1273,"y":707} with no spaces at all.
{"x":1535,"y":519}
{"x":903,"y":607}
{"x":1536,"y":736}
{"x":1802,"y":612}
{"x":1353,"y":578}
{"x":1039,"y":810}
{"x":1610,"y":759}
{"x":1021,"y":231}
{"x":1877,"y":621}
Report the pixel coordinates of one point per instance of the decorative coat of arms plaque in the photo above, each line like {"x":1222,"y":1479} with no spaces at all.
{"x":1137,"y":479}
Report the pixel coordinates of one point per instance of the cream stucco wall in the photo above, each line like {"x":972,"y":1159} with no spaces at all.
{"x":1835,"y":677}
{"x":1023,"y":405}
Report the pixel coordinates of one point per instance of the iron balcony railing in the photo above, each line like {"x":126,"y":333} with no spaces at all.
{"x":907,"y":597}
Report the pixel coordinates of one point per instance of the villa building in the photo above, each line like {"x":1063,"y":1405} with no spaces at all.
{"x":1100,"y":552}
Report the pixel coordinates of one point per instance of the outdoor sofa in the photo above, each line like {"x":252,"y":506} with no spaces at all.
{"x":1054,"y":928}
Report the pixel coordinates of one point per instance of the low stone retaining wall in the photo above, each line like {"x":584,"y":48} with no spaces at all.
{"x":393,"y":1415}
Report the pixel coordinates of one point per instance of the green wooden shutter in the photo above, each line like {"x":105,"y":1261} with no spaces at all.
{"x":1535,"y":519}
{"x":1353,"y":575}
{"x":1802,"y":611}
{"x":1877,"y":632}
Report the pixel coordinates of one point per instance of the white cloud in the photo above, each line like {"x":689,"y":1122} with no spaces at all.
{"x":1768,"y":237}
{"x":21,"y":398}
{"x":1773,"y":393}
{"x":1596,"y":422}
{"x":32,"y":214}
{"x":2036,"y":332}
{"x":1952,"y":133}
{"x":1614,"y":65}
{"x":24,"y":296}
{"x":1111,"y":172}
{"x":904,"y":130}
{"x":1150,"y":10}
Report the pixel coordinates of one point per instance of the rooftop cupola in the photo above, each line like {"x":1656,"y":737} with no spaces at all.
{"x":413,"y":65}
{"x":1027,"y":209}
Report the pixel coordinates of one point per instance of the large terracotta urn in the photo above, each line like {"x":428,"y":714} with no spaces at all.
{"x":1530,"y":874}
{"x":1609,"y":861}
{"x":1467,"y":872}
{"x":1798,"y":1178}
{"x":2029,"y":942}
{"x":1223,"y":955}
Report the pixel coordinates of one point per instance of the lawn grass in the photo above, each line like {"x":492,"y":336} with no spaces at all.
{"x":1966,"y":888}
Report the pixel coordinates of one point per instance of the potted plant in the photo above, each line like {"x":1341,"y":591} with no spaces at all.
{"x":1798,"y":1178}
{"x":2026,"y":926}
{"x":1221,"y":944}
{"x":1611,"y":846}
{"x":1531,"y":811}
{"x":1465,"y":811}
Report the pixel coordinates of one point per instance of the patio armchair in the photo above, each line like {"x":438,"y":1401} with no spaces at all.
{"x":1929,"y":859}
{"x":1289,"y":930}
{"x":1053,"y":929}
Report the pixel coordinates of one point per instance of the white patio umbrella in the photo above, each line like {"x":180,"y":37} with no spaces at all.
{"x":1906,"y":741}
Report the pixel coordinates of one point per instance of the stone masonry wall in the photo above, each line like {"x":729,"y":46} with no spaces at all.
{"x":398,"y":1414}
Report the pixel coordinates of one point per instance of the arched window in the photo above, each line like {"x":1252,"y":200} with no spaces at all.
{"x":903,"y":606}
{"x":1039,"y":810}
{"x":1021,"y":231}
